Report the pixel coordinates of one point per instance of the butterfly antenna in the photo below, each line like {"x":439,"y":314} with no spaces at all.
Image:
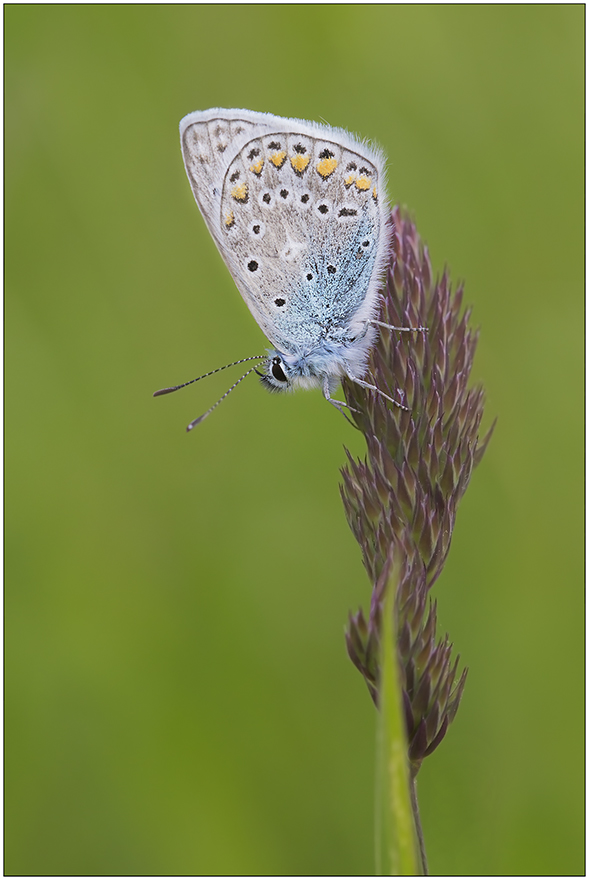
{"x":200,"y":419}
{"x":256,"y":357}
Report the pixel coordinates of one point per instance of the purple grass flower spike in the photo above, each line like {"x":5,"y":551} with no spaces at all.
{"x":401,"y":500}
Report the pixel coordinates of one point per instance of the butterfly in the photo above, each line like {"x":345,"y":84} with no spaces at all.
{"x":299,"y":213}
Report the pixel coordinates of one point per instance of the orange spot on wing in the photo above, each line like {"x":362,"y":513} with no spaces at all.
{"x":349,"y":180}
{"x":239,"y":192}
{"x":299,"y":163}
{"x":326,"y":167}
{"x":229,"y":219}
{"x":363,"y":183}
{"x":257,"y":166}
{"x":278,"y":158}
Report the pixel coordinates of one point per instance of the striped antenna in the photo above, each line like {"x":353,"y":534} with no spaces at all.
{"x":200,"y":419}
{"x":256,"y":357}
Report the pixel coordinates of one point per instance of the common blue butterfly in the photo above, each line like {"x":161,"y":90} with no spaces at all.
{"x":299,"y":214}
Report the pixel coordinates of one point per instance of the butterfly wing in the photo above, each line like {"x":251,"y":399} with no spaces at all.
{"x":298,"y":212}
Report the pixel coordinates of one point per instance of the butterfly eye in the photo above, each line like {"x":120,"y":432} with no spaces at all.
{"x":277,"y":370}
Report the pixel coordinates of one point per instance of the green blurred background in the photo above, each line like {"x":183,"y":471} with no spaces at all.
{"x":178,"y":695}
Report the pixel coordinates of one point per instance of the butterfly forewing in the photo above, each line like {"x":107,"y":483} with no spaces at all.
{"x":297,"y":216}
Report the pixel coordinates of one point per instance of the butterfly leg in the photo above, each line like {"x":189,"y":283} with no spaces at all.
{"x":378,"y":391}
{"x":339,"y":404}
{"x":402,"y":329}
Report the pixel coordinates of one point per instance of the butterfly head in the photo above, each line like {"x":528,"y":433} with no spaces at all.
{"x":287,"y":372}
{"x":278,"y":375}
{"x":303,"y":369}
